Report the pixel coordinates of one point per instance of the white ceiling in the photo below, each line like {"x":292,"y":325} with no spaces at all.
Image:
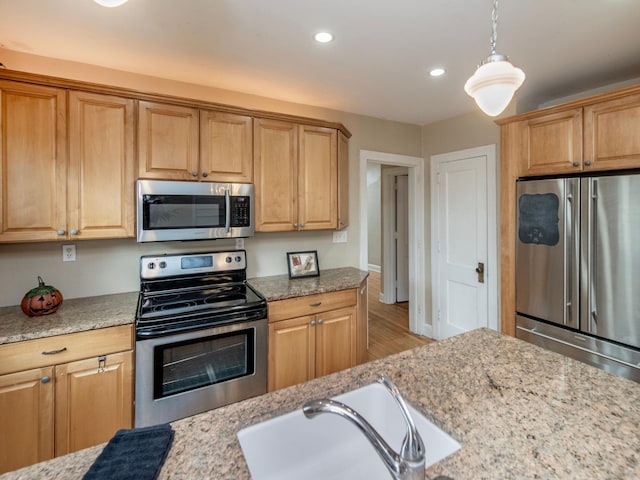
{"x":377,"y":64}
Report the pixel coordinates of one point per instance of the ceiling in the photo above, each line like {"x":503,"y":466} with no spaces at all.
{"x":377,"y":65}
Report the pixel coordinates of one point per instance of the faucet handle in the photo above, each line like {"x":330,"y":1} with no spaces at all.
{"x":412,"y":445}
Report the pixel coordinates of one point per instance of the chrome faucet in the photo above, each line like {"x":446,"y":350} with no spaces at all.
{"x":406,"y":465}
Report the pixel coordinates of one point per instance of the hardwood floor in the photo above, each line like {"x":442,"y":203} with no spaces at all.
{"x":388,"y":325}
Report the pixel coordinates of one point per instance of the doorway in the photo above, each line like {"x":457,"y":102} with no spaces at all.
{"x":416,"y":255}
{"x":464,"y":241}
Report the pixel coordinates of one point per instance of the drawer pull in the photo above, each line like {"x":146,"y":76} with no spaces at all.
{"x":53,"y":352}
{"x":315,"y":304}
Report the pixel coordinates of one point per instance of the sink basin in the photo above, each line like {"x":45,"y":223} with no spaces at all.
{"x":329,"y":447}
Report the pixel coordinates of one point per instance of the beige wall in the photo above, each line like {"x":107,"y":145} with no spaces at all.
{"x":374,"y":214}
{"x":111,"y":266}
{"x":459,"y":133}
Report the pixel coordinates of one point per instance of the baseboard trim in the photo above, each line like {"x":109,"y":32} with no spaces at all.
{"x":374,"y":268}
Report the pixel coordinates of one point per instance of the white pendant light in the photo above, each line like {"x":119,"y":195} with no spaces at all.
{"x":496,"y":80}
{"x":110,"y":3}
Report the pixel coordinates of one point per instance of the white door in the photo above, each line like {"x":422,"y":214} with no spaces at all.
{"x":462,"y":233}
{"x":402,"y":238}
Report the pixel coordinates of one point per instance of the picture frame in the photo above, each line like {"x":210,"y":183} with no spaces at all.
{"x":303,"y":264}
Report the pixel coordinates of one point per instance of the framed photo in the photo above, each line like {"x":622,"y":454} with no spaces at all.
{"x":303,"y":264}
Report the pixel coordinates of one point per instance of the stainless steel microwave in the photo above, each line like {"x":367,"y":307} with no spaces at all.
{"x":176,"y":210}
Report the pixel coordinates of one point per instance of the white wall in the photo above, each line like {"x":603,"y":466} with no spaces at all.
{"x":112,"y":266}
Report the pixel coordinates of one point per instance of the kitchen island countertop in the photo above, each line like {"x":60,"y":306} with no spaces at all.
{"x":519,"y":411}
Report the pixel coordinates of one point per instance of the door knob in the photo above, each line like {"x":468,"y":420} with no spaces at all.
{"x":480,"y":272}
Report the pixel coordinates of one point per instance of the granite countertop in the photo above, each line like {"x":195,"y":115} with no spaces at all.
{"x":75,"y":315}
{"x":519,"y":412}
{"x":280,"y":287}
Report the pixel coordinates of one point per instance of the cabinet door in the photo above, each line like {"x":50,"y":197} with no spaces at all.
{"x":226,"y":147}
{"x":94,"y":399}
{"x":275,"y":175}
{"x":292,"y":352}
{"x":33,"y":168}
{"x":335,"y":341}
{"x":26,"y":416}
{"x":611,"y":134}
{"x":343,"y":181}
{"x":553,"y":144}
{"x":101,"y":166}
{"x":318,"y":178}
{"x":168,"y":142}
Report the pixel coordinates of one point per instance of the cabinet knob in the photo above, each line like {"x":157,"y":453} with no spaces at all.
{"x":74,"y":232}
{"x":295,"y":225}
{"x":60,"y":232}
{"x":194,"y":174}
{"x":587,"y":162}
{"x":313,"y":323}
{"x":205,"y":174}
{"x":576,"y":164}
{"x":320,"y":322}
{"x":45,"y":379}
{"x":302,"y":225}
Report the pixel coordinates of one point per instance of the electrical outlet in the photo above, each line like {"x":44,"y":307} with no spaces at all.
{"x":340,"y":236}
{"x":68,"y":253}
{"x":239,"y":243}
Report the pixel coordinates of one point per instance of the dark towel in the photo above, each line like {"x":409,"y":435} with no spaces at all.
{"x":136,"y":454}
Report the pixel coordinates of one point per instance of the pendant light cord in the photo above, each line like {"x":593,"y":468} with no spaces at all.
{"x":494,"y":27}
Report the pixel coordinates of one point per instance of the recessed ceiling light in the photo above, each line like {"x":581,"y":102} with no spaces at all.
{"x":110,"y":3}
{"x":437,"y":72}
{"x":323,"y":37}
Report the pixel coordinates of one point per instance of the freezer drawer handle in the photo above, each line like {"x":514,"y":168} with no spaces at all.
{"x":480,"y":272}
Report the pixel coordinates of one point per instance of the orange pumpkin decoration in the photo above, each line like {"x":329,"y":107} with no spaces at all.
{"x":41,"y":300}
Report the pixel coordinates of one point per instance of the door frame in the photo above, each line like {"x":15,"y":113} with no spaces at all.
{"x":417,"y":283}
{"x":491,"y":275}
{"x":388,"y":293}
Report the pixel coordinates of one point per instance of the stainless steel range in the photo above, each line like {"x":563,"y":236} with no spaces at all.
{"x":201,"y":335}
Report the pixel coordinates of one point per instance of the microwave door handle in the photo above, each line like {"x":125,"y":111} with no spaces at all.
{"x":227,"y":212}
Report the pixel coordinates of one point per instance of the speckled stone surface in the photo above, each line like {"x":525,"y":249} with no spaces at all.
{"x":75,"y":315}
{"x":520,"y":412}
{"x":280,"y":287}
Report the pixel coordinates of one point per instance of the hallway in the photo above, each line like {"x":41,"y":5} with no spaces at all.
{"x":389,"y":325}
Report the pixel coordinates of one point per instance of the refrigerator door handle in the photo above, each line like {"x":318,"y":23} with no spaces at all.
{"x":592,"y":255}
{"x":571,"y":253}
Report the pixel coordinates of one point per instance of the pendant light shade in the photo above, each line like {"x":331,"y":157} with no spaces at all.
{"x":496,"y":80}
{"x":110,"y":3}
{"x":493,"y":84}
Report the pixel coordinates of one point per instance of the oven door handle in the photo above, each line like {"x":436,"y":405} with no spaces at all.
{"x":227,"y":211}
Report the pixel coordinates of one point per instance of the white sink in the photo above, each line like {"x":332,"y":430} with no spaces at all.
{"x":329,"y":447}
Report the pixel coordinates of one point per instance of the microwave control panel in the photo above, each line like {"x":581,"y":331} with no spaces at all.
{"x":240,"y":212}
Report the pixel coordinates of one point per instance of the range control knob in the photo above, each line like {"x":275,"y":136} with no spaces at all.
{"x":228,"y":259}
{"x":238,"y":259}
{"x":151,"y":265}
{"x":163,"y":264}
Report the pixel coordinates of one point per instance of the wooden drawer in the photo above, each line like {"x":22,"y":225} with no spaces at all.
{"x":15,"y":357}
{"x":311,"y":304}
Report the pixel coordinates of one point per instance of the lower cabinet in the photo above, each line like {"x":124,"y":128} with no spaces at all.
{"x":310,"y":337}
{"x":62,"y":407}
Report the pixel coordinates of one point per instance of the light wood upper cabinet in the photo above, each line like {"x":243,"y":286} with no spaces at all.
{"x":26,"y":416}
{"x":553,"y":144}
{"x":54,"y":188}
{"x":101,"y":166}
{"x":343,"y":181}
{"x":296,"y":176}
{"x":33,"y":172}
{"x":168,"y":141}
{"x":612,"y":134}
{"x":226,"y":147}
{"x":275,"y":164}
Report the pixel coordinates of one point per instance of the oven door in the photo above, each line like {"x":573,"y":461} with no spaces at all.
{"x":188,"y":373}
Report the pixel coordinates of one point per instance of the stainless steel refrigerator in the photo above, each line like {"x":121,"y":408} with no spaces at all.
{"x":578,"y":268}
